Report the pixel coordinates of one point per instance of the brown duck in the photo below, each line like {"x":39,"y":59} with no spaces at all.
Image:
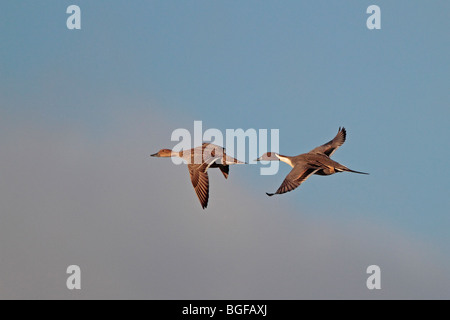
{"x":199,"y":160}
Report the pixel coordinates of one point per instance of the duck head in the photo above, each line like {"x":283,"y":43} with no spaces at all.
{"x":269,"y":156}
{"x":164,"y":153}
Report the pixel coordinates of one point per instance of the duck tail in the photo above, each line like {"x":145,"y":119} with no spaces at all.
{"x":225,"y":169}
{"x":359,"y":172}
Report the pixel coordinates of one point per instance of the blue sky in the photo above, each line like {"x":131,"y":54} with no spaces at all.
{"x":303,"y":67}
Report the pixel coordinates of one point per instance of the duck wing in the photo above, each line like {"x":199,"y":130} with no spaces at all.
{"x":200,"y":181}
{"x":331,"y":146}
{"x":298,"y":174}
{"x":202,"y":158}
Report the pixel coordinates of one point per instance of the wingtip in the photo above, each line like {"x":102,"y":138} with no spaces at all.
{"x":270,"y":194}
{"x":344,"y":132}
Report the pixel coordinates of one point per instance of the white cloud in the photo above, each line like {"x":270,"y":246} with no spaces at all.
{"x":135,"y":227}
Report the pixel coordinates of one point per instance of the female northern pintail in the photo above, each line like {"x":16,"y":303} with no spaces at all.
{"x":199,"y":160}
{"x":316,"y":161}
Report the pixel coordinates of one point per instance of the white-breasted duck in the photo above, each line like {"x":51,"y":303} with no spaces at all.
{"x":316,"y":161}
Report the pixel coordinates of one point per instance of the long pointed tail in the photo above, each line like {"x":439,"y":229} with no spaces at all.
{"x":350,"y":170}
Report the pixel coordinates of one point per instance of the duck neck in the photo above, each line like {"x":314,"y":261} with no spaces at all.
{"x":285,"y":159}
{"x":177,"y":154}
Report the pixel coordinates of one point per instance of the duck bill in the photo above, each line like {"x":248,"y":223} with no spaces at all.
{"x":154,"y":155}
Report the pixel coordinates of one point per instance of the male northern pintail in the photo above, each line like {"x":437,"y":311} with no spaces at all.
{"x":316,"y":161}
{"x":199,"y":160}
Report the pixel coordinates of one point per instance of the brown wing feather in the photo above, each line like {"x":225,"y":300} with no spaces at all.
{"x":209,"y":154}
{"x":331,"y":146}
{"x":295,"y":178}
{"x":200,"y":182}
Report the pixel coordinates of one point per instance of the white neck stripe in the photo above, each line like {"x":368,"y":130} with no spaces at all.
{"x":284,"y":159}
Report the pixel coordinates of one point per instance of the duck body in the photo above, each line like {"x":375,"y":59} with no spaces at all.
{"x":198,"y":161}
{"x":326,"y":166}
{"x":315,"y":162}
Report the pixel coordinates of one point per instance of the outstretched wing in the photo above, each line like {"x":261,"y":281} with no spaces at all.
{"x":295,"y":178}
{"x":200,"y":182}
{"x":203,"y":157}
{"x":330,"y":147}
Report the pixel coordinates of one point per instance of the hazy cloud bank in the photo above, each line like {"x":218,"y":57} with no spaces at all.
{"x":135,"y":227}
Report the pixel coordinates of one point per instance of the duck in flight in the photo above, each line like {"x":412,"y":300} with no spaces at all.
{"x":199,"y":160}
{"x":316,"y":161}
